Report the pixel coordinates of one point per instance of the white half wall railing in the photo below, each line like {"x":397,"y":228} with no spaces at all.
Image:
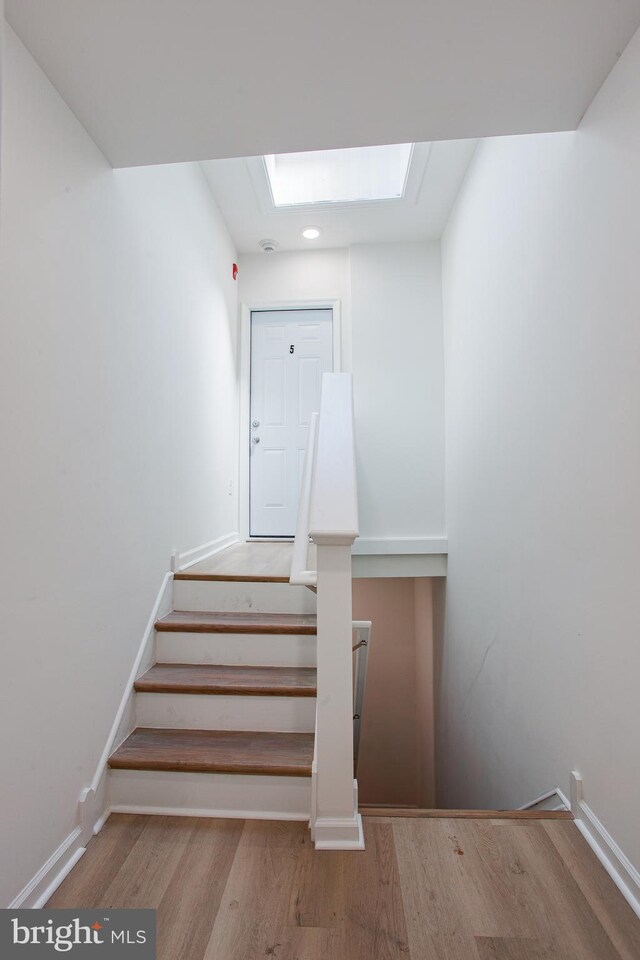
{"x":300,"y":572}
{"x":328,"y":516}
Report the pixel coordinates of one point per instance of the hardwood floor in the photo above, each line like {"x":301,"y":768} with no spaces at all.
{"x":423,"y":889}
{"x":254,"y":560}
{"x":438,"y":813}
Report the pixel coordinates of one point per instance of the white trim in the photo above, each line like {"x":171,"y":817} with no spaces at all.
{"x":205,"y":812}
{"x":100,"y":822}
{"x":244,"y":380}
{"x":409,"y":565}
{"x":327,"y":834}
{"x":562,"y":804}
{"x":613,"y":859}
{"x":400,"y":546}
{"x":49,"y":877}
{"x":420,"y":156}
{"x":182,"y":561}
{"x":93,"y":799}
{"x":338,"y":833}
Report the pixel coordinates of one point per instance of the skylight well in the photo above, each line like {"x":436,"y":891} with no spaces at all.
{"x":354,"y":175}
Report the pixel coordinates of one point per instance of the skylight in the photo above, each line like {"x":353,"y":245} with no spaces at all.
{"x":354,"y":175}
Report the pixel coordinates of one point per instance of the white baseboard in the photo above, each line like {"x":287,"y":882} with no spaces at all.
{"x":551,"y":800}
{"x":100,"y":822}
{"x":335,"y":833}
{"x":94,"y":798}
{"x":338,"y":834}
{"x":613,"y":859}
{"x":217,"y":814}
{"x":49,"y":877}
{"x":182,"y":561}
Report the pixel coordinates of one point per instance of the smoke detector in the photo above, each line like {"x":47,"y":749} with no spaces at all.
{"x":268,"y":245}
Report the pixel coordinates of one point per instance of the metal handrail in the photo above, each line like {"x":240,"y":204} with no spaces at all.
{"x":362,"y":630}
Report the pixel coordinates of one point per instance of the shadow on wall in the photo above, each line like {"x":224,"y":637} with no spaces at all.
{"x":397,"y":762}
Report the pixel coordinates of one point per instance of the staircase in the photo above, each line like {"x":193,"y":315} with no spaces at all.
{"x":225,"y":717}
{"x":242,"y":713}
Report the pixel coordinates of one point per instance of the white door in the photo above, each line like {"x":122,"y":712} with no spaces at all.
{"x":290,"y":350}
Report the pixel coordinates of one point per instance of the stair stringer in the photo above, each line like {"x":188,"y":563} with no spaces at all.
{"x":94,"y":803}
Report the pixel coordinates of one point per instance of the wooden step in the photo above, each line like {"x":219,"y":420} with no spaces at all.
{"x":196,"y":621}
{"x":232,"y":577}
{"x":444,"y":814}
{"x":216,"y":751}
{"x":228,"y":680}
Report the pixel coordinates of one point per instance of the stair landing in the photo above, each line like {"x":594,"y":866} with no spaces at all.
{"x":254,"y":560}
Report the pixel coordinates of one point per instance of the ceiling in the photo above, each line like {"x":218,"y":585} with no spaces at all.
{"x":157,"y":81}
{"x":421,"y":217}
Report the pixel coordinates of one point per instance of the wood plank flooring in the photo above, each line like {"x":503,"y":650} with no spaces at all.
{"x":254,"y":560}
{"x":438,"y":813}
{"x":423,"y":889}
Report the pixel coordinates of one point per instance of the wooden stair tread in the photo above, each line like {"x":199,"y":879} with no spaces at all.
{"x":179,"y":621}
{"x":241,"y":680}
{"x":216,"y":751}
{"x":232,"y":577}
{"x":443,"y":813}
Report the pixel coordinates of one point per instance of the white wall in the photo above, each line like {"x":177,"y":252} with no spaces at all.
{"x":392,"y":341}
{"x":300,"y":275}
{"x":118,"y":429}
{"x":398,"y":365}
{"x":541,"y":660}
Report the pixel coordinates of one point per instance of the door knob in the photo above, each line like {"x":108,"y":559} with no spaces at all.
{"x":255,"y":439}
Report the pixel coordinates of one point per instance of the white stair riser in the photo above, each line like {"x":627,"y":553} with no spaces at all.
{"x":256,"y":650}
{"x":210,"y":794}
{"x":213,"y":712}
{"x":224,"y":595}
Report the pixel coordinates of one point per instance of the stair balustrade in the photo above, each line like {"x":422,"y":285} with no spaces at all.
{"x":328,"y":517}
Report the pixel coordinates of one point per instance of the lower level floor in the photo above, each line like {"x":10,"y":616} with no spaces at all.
{"x":424,"y":889}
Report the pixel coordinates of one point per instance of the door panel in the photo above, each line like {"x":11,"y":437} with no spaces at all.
{"x":290,"y":350}
{"x":274,"y":477}
{"x":274,"y":393}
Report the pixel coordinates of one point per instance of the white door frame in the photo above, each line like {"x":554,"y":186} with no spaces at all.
{"x":245,"y":384}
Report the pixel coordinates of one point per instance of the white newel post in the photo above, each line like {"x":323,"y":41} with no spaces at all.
{"x":333,"y":526}
{"x":338,"y":824}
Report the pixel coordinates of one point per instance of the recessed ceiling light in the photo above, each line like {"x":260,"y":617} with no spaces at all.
{"x":311,"y":233}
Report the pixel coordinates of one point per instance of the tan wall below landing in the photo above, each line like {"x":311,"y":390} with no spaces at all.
{"x":397,"y":746}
